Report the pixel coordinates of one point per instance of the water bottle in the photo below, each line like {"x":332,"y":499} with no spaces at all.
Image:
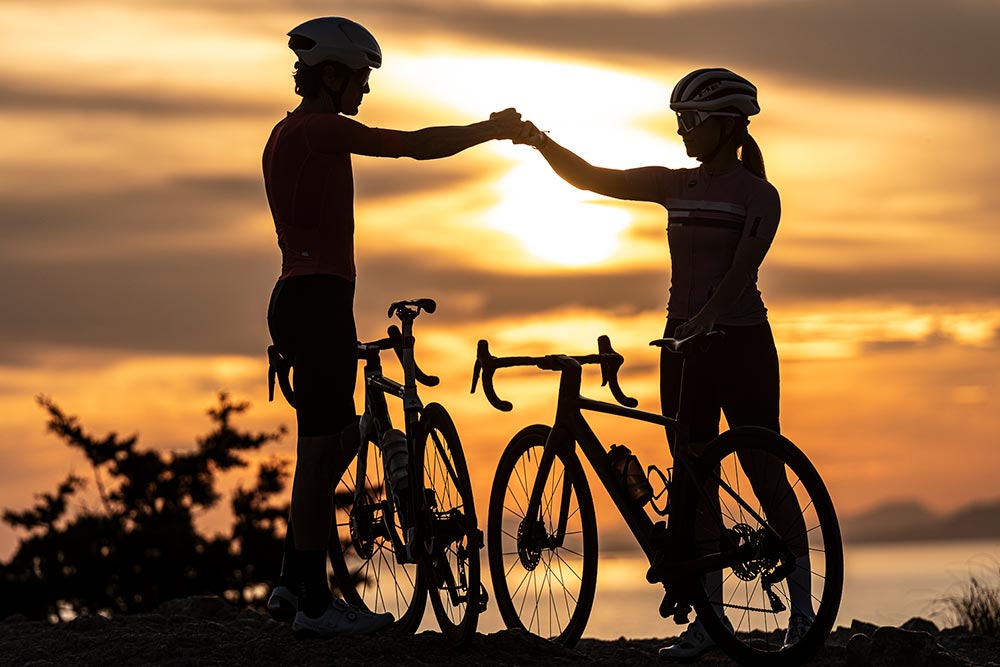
{"x":630,"y":474}
{"x":394,"y":459}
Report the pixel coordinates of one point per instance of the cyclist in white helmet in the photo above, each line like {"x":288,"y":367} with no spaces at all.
{"x":309,"y":181}
{"x":722,"y":218}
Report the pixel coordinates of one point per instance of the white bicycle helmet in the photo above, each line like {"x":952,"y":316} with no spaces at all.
{"x":715,"y":90}
{"x":332,"y":38}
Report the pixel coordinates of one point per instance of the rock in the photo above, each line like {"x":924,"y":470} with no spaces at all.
{"x":892,"y":647}
{"x":863,"y":627}
{"x":88,"y":623}
{"x":859,"y":648}
{"x":917,"y":624}
{"x":522,"y":640}
{"x":16,"y":618}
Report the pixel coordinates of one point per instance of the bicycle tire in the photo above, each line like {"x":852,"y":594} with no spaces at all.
{"x":558,"y":615}
{"x":452,"y":567}
{"x":757,"y":637}
{"x":364,"y":564}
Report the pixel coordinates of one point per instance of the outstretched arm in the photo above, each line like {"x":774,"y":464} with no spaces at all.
{"x":581,"y":174}
{"x":432,"y":143}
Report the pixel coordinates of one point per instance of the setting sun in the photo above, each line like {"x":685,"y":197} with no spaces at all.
{"x":553,"y":221}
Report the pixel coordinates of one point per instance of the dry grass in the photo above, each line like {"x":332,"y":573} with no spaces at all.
{"x":976,"y":607}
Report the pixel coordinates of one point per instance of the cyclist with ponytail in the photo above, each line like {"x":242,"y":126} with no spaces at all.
{"x":722,"y":217}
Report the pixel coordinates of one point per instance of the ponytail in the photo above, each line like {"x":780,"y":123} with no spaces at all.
{"x":751,"y":156}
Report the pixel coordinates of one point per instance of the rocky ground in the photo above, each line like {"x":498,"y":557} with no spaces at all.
{"x":209,"y":631}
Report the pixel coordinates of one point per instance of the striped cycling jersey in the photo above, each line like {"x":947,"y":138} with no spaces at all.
{"x":310,"y":188}
{"x":708,"y":215}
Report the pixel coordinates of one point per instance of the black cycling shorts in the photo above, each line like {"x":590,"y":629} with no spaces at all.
{"x":311,"y":320}
{"x":737,"y":376}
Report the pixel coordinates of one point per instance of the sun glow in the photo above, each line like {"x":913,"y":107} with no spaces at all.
{"x":555,"y":222}
{"x":579,"y":104}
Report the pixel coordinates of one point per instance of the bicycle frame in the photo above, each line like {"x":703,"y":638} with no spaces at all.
{"x":376,"y":421}
{"x":570,"y":428}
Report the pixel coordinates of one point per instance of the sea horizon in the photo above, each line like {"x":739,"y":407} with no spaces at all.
{"x":884,"y":584}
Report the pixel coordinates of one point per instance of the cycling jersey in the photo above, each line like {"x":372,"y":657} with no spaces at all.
{"x":708,"y":215}
{"x":310,"y":188}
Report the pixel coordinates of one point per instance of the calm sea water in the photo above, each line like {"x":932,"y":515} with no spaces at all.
{"x":885,"y":584}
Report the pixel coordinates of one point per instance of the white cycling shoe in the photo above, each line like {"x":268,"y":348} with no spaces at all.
{"x":798,"y":626}
{"x":693,"y":643}
{"x":340,"y":618}
{"x":282,"y":604}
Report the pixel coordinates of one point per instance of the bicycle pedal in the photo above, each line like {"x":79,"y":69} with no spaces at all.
{"x":483,"y":599}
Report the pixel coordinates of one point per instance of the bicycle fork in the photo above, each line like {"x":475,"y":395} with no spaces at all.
{"x":533,"y":535}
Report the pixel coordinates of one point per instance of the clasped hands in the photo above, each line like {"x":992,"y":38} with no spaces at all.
{"x":509,"y":125}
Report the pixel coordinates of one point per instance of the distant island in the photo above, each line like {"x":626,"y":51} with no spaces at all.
{"x":912,"y":521}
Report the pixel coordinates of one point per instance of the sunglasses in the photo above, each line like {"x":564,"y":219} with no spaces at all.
{"x":689,"y":119}
{"x":362,"y":76}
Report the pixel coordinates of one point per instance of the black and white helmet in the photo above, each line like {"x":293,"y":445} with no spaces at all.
{"x":712,"y":90}
{"x":336,"y":39}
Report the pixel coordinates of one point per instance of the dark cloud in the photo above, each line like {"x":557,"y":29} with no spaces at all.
{"x":118,"y":219}
{"x":214,"y":303}
{"x":22,"y":96}
{"x":192,"y":303}
{"x":486,"y":293}
{"x":927,"y":48}
{"x":172,"y":211}
{"x":919,"y":285}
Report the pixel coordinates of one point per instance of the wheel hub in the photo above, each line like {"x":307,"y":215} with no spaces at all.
{"x":752,"y":561}
{"x":361,"y":524}
{"x":529,"y":538}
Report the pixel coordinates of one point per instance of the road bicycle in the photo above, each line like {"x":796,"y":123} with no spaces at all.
{"x":740,"y":514}
{"x":393,"y":547}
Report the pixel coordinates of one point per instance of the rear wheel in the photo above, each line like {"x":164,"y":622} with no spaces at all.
{"x":363,"y":548}
{"x":452,"y":566}
{"x":780,"y":528}
{"x":544,"y":577}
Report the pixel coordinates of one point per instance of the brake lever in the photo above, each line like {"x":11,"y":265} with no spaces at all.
{"x":487,"y":370}
{"x":609,"y":372}
{"x":396,"y":337}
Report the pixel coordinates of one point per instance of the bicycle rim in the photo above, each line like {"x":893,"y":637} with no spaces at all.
{"x":366,"y":570}
{"x":540,"y":585}
{"x":453,"y":566}
{"x":779,"y":521}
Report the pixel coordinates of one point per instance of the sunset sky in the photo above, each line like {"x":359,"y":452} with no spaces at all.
{"x":138,"y":252}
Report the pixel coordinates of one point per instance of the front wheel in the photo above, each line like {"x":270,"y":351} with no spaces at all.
{"x":763,"y":505}
{"x":452,"y":563}
{"x":543,"y":567}
{"x":363,"y":547}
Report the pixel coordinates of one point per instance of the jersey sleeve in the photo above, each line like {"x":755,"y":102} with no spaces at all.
{"x":333,"y":133}
{"x":763,"y":213}
{"x":656,"y":184}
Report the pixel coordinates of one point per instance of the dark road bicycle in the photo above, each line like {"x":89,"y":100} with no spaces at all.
{"x":741,"y":512}
{"x":394,"y":547}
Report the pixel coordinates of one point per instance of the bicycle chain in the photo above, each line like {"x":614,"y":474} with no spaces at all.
{"x":745,"y":608}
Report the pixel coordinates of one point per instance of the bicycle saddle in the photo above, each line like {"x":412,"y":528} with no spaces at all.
{"x":695,"y":343}
{"x":408,"y":304}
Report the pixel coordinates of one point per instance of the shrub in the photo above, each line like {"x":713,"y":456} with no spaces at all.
{"x":141,"y":547}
